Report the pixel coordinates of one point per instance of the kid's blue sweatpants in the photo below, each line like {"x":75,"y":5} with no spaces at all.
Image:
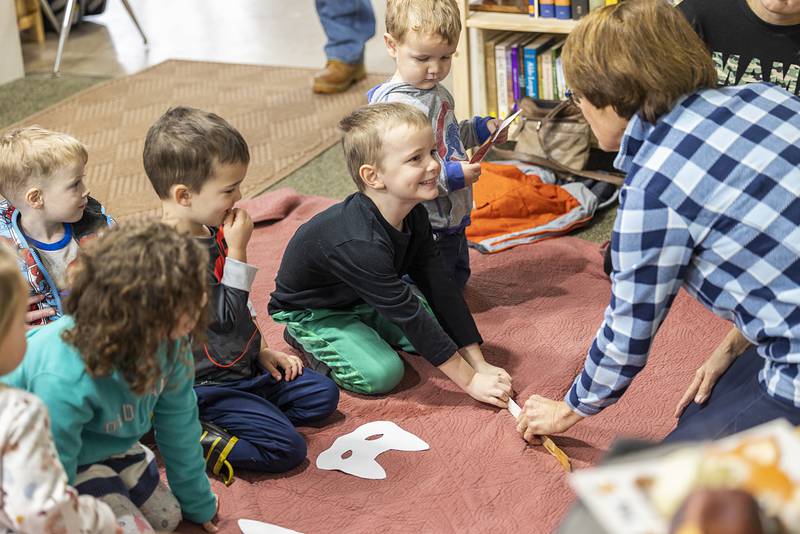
{"x":263,"y":413}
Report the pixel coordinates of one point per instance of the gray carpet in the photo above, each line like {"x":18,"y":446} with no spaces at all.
{"x":326,"y":175}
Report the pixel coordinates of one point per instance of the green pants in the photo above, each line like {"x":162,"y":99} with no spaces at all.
{"x":356,"y":344}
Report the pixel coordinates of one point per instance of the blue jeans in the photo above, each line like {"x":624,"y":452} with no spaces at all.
{"x":455,"y":254}
{"x":348,"y":25}
{"x":262,"y":413}
{"x":737,"y":402}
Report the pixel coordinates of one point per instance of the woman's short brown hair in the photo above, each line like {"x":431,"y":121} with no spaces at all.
{"x":636,"y":56}
{"x":128,"y":290}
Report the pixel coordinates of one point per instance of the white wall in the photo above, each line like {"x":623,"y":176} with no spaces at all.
{"x":11,"y":66}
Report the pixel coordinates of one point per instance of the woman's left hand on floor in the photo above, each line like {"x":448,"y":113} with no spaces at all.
{"x":541,"y":416}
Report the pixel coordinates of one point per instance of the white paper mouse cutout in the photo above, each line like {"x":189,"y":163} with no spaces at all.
{"x":355,"y":453}
{"x":249,"y":526}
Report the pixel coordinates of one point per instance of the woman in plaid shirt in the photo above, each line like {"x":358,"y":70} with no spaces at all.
{"x":711,"y":204}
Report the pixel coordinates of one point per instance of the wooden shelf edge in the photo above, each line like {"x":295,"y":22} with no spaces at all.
{"x":516,"y":22}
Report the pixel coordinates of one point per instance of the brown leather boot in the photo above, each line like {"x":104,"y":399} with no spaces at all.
{"x":338,"y":76}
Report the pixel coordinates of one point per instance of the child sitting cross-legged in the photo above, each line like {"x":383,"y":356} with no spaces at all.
{"x":47,"y":213}
{"x":250,"y":396}
{"x":119,"y":363}
{"x":340,"y":288}
{"x":34,"y":493}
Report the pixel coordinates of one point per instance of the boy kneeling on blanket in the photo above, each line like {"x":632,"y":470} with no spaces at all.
{"x":340,"y":288}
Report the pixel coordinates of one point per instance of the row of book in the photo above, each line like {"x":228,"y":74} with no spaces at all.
{"x":521,"y":64}
{"x":565,"y":9}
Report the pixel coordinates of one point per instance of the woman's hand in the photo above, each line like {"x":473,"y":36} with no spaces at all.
{"x":489,"y":369}
{"x":707,"y":375}
{"x":541,"y":416}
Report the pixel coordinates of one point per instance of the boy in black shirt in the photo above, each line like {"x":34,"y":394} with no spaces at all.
{"x":339,"y":288}
{"x":249,"y":396}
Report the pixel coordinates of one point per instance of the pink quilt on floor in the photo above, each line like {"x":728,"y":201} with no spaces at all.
{"x":538,"y":308}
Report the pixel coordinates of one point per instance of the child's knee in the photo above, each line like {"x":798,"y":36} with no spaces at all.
{"x":329,"y":398}
{"x":382,"y":377}
{"x":293,"y":454}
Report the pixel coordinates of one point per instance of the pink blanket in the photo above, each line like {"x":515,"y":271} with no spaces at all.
{"x":538,"y":308}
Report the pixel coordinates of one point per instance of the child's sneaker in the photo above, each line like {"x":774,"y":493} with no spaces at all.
{"x":313,"y":363}
{"x":217,"y":444}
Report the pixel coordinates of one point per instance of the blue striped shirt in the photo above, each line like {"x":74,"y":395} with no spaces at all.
{"x":711,"y":203}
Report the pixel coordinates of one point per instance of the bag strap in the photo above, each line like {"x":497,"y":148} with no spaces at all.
{"x":551,"y":164}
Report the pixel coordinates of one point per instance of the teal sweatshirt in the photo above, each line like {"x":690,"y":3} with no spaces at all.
{"x":94,"y":418}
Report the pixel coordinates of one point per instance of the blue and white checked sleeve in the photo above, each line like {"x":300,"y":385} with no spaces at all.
{"x":650,"y":248}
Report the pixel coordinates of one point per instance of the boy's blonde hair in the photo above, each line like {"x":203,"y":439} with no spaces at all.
{"x":183,"y":145}
{"x":128,"y":291}
{"x":437,"y":17}
{"x":364,"y":130}
{"x":32,"y":153}
{"x":13,"y":288}
{"x":636,"y":56}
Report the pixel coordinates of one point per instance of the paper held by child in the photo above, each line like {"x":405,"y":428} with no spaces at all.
{"x":482,"y":150}
{"x":548,"y":443}
{"x":355,"y":453}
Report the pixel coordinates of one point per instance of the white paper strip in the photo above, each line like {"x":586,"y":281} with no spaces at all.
{"x":249,"y":526}
{"x":514,"y":408}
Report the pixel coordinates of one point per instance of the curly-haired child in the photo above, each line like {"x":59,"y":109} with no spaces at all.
{"x":118,"y":363}
{"x":34,"y":495}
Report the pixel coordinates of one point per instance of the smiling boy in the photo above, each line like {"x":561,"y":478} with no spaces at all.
{"x":47,"y":211}
{"x":340,"y":291}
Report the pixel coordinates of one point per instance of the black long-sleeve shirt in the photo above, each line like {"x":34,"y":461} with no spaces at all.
{"x":349,"y":254}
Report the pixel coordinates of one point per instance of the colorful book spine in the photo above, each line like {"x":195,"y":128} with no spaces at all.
{"x":502,"y":79}
{"x":563,"y":10}
{"x":579,"y":8}
{"x":532,"y":8}
{"x":531,"y":76}
{"x":515,"y":90}
{"x":611,"y":2}
{"x":547,"y":9}
{"x":596,"y":4}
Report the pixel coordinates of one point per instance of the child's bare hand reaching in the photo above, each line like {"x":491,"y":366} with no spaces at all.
{"x":237,"y":227}
{"x":273,"y":361}
{"x":493,"y":125}
{"x":472,"y":172}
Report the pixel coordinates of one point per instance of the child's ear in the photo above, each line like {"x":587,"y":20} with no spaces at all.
{"x":391,"y":45}
{"x":34,"y":197}
{"x":181,"y":195}
{"x":369,"y":176}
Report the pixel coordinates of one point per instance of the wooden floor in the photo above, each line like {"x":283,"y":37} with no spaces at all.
{"x":264,"y":32}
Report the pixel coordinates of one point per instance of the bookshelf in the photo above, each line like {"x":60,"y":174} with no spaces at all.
{"x":481,"y":21}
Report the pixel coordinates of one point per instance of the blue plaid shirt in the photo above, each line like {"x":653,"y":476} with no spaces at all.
{"x":711,"y":203}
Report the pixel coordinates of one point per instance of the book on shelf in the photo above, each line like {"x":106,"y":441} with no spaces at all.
{"x":611,"y":2}
{"x":559,"y":84}
{"x":530,"y":58}
{"x":501,"y":59}
{"x":516,"y":70}
{"x":563,"y":9}
{"x":596,"y":4}
{"x":580,"y":8}
{"x":490,"y":71}
{"x":547,"y":9}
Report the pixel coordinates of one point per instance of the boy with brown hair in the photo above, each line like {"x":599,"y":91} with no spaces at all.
{"x":250,"y":396}
{"x":47,"y":211}
{"x":422,"y":36}
{"x":340,"y":288}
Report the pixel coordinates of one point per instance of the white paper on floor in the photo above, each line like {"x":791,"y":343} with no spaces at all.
{"x":355,"y":453}
{"x":514,"y":408}
{"x":249,"y":526}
